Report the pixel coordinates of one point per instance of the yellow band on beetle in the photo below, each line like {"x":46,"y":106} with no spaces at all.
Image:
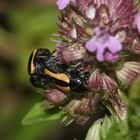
{"x":32,"y":62}
{"x":59,"y":76}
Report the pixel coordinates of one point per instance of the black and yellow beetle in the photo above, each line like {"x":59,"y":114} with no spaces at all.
{"x":46,"y":71}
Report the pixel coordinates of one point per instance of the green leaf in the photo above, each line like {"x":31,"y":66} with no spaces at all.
{"x":135,"y":89}
{"x":38,"y":114}
{"x":112,"y":129}
{"x":134,"y":110}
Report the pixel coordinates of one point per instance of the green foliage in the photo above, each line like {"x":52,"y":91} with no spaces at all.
{"x":129,"y":128}
{"x":134,"y":111}
{"x":32,"y":27}
{"x":108,"y":128}
{"x":38,"y":114}
{"x":113,"y":129}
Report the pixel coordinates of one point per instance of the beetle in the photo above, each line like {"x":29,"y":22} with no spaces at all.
{"x":46,"y":71}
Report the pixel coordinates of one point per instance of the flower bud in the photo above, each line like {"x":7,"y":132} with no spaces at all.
{"x":96,"y":81}
{"x":71,"y":107}
{"x":72,"y":53}
{"x":54,"y":95}
{"x":102,"y":83}
{"x":109,"y":85}
{"x":85,"y":106}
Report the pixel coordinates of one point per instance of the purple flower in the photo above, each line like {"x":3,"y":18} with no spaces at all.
{"x":102,"y":43}
{"x":111,"y":57}
{"x":137,"y":21}
{"x":63,"y":3}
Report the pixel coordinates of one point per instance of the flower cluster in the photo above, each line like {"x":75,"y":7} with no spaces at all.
{"x":105,"y":36}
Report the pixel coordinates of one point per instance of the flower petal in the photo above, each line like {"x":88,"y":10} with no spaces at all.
{"x":137,"y":21}
{"x":100,"y":53}
{"x":62,"y":4}
{"x":111,"y":57}
{"x":100,"y":43}
{"x":91,"y":45}
{"x":113,"y":44}
{"x":74,"y":1}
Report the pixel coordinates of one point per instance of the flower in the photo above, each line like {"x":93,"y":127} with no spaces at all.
{"x":63,"y":3}
{"x":100,"y":82}
{"x":110,"y":57}
{"x":101,"y":42}
{"x":54,"y":95}
{"x":137,"y":21}
{"x":99,"y":38}
{"x":75,"y":52}
{"x":105,"y":30}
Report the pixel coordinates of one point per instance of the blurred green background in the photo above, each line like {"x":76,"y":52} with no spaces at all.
{"x":24,"y":26}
